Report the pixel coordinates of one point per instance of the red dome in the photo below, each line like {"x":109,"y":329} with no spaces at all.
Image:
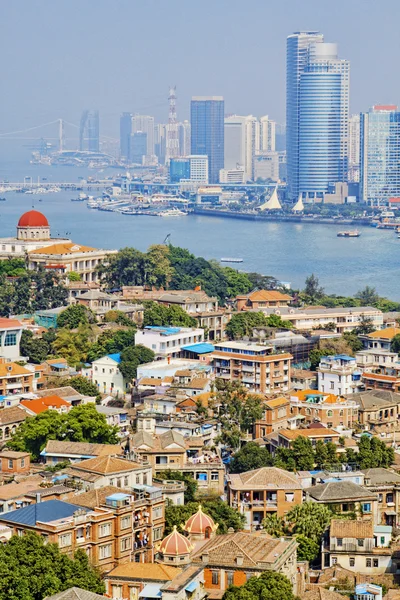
{"x":33,"y":218}
{"x":175,"y":544}
{"x":198,"y":523}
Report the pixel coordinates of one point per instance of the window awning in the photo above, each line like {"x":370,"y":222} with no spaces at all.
{"x":192,"y":586}
{"x":151,"y":590}
{"x":390,"y":512}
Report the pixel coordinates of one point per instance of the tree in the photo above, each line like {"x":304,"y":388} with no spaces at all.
{"x":353,"y":341}
{"x":31,"y":569}
{"x":276,"y":321}
{"x":309,"y":519}
{"x":269,"y":586}
{"x":74,"y":346}
{"x":127,"y":267}
{"x":221,"y":513}
{"x":75,"y":315}
{"x":131,"y":358}
{"x":374,"y":453}
{"x":365,"y":326}
{"x":274,"y":525}
{"x":250,"y":456}
{"x":36,"y":349}
{"x":161,"y":315}
{"x":242,"y":324}
{"x":13,"y":267}
{"x":83,"y":386}
{"x":81,"y":424}
{"x":118,"y":317}
{"x":313,"y":291}
{"x":308,"y":549}
{"x":74,"y":276}
{"x":159,"y":271}
{"x":111,"y":342}
{"x":395,"y":344}
{"x":368,"y":296}
{"x":303,"y":453}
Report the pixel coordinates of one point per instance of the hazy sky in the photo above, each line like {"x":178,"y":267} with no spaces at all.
{"x":61,"y":56}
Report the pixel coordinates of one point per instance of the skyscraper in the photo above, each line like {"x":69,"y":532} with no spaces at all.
{"x":89,"y":138}
{"x":267,"y":135}
{"x":354,"y":148}
{"x":240,"y":144}
{"x":145,"y":124}
{"x":380,"y":154}
{"x":138,"y":147}
{"x":296,"y":60}
{"x":184,"y":138}
{"x":125,"y":132}
{"x":207,"y":132}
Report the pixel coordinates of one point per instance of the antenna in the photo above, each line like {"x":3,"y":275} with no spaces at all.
{"x":172,"y":146}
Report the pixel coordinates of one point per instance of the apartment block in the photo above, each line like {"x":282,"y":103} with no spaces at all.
{"x":321,"y":407}
{"x":167,"y":342}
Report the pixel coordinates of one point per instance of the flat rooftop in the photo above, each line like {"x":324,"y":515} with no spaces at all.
{"x":242,"y":346}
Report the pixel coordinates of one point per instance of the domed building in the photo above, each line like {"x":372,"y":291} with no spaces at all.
{"x":175,"y":549}
{"x":200,"y":526}
{"x":33,"y":225}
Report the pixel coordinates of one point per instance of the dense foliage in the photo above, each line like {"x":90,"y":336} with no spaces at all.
{"x":12,"y":267}
{"x":111,"y":341}
{"x":220,"y":511}
{"x":329,"y":347}
{"x":32,"y":291}
{"x":158,"y":314}
{"x":31,"y":569}
{"x":374,"y":453}
{"x":242,"y":324}
{"x":269,"y":586}
{"x":82,"y":386}
{"x":81,"y":424}
{"x":75,"y":315}
{"x":132,"y":357}
{"x":250,"y":456}
{"x":34,"y":348}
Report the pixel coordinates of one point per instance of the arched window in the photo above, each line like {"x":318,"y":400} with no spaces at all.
{"x":329,"y":413}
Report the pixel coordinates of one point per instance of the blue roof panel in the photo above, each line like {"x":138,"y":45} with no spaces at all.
{"x":116,"y":357}
{"x":52,"y":510}
{"x":200,"y":348}
{"x":164,"y":330}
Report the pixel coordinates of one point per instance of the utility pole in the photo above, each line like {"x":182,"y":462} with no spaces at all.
{"x":172,"y":146}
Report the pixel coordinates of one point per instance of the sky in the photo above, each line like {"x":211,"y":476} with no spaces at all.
{"x":58,"y":57}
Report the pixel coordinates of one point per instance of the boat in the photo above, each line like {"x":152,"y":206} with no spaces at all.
{"x":2,"y":199}
{"x":349,"y":234}
{"x":77,"y":199}
{"x":172,"y":212}
{"x":231,"y":260}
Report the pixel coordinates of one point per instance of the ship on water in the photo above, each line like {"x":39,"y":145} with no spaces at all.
{"x":349,"y":234}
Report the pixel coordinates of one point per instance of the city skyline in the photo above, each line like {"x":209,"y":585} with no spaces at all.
{"x":65,"y":77}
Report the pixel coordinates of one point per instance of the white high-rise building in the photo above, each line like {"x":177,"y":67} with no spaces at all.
{"x":199,"y":168}
{"x":145,"y":124}
{"x":184,"y":132}
{"x":266,"y":141}
{"x":240,"y":144}
{"x":354,"y":148}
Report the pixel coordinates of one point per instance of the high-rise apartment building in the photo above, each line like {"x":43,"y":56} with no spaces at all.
{"x":266,"y":141}
{"x":296,"y":60}
{"x":199,"y":168}
{"x":125,"y":132}
{"x":160,"y":141}
{"x":89,"y":131}
{"x":184,"y":138}
{"x":354,"y":148}
{"x":380,"y":154}
{"x":323,"y":121}
{"x":145,"y":124}
{"x":240,"y":144}
{"x":207,"y":132}
{"x":138,"y":147}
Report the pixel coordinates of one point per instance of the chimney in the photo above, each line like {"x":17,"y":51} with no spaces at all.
{"x":38,"y":498}
{"x":205,"y":557}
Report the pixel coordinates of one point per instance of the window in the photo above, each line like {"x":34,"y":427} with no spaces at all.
{"x":334,"y":560}
{"x":366,"y":507}
{"x":65,"y":540}
{"x":22,"y":462}
{"x":126,"y":543}
{"x":329,"y":425}
{"x":214,"y":476}
{"x":157,"y":533}
{"x":382,"y":540}
{"x":10,"y":339}
{"x":329,"y":413}
{"x":125,"y":522}
{"x":380,"y":497}
{"x":105,"y":551}
{"x":339,"y":541}
{"x":116,"y":591}
{"x":368,"y":562}
{"x":352,"y":561}
{"x":157,"y":512}
{"x":112,"y":482}
{"x":104,"y":529}
{"x":289,"y":497}
{"x":389,"y":498}
{"x":332,"y":385}
{"x":248,"y":576}
{"x":133,"y":593}
{"x":10,"y":464}
{"x":360,"y":543}
{"x":229,"y":577}
{"x":375,"y":562}
{"x":215,"y":577}
{"x":126,"y":481}
{"x":161,"y":460}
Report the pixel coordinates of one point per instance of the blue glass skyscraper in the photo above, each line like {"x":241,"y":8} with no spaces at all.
{"x":125,"y":132}
{"x":207,"y":132}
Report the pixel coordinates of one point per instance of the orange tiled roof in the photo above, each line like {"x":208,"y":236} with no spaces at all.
{"x":277,"y":402}
{"x":329,"y":398}
{"x":40,"y":405}
{"x":267,"y":295}
{"x":378,"y":376}
{"x":292,"y":434}
{"x":9,"y":324}
{"x":150,"y":381}
{"x":151,"y":571}
{"x":13,"y":369}
{"x":106,"y":465}
{"x":385,"y":334}
{"x":63,"y":248}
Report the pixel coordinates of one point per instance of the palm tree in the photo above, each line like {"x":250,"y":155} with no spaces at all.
{"x":309,"y":519}
{"x":274,"y":525}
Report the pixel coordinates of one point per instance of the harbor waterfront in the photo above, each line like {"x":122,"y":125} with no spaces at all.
{"x":286,"y":250}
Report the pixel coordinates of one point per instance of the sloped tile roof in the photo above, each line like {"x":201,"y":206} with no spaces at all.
{"x":106,"y":465}
{"x":75,"y":593}
{"x":264,"y":478}
{"x":351,"y":529}
{"x":14,"y":414}
{"x":339,"y":490}
{"x":151,"y":571}
{"x":97,"y":497}
{"x":81,"y":448}
{"x":381,"y":476}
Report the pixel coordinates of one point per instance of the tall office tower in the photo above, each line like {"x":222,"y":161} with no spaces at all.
{"x":125,"y":132}
{"x":172,"y":146}
{"x":160,"y":140}
{"x":240,"y":144}
{"x":280,"y":137}
{"x":145,"y":124}
{"x":323,"y":121}
{"x":207,"y":132}
{"x":138,"y":147}
{"x":380,"y":154}
{"x":184,"y":138}
{"x":266,"y":142}
{"x":296,"y":60}
{"x":354,"y":148}
{"x":89,"y":138}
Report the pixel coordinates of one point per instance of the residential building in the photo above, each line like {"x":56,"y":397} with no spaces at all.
{"x":386,"y":484}
{"x":256,"y":366}
{"x":267,"y":130}
{"x":55,"y":367}
{"x":14,"y":379}
{"x":303,"y":379}
{"x":297,"y":51}
{"x":380,"y":339}
{"x":207,"y":132}
{"x":29,"y":491}
{"x":266,"y":166}
{"x":144,"y":124}
{"x":240,"y":135}
{"x":75,"y":593}
{"x":190,"y":583}
{"x":104,"y":373}
{"x":258,"y":493}
{"x":379,"y":154}
{"x":370,"y":591}
{"x":375,"y":358}
{"x":100,"y":303}
{"x":354,"y":148}
{"x":57,"y":451}
{"x":116,"y":417}
{"x":140,"y":519}
{"x":346,"y":498}
{"x":168,"y":341}
{"x":358,"y":546}
{"x":138,"y":147}
{"x":384,"y":377}
{"x":276,"y":413}
{"x":130,"y":579}
{"x":125,"y":132}
{"x":10,"y":338}
{"x":89,"y":136}
{"x":200,"y":526}
{"x":98,"y":472}
{"x":378,"y":408}
{"x":184,"y":135}
{"x":65,"y":256}
{"x":38,"y":405}
{"x":260,"y":299}
{"x":166,"y":368}
{"x":67,"y":393}
{"x":321,"y":407}
{"x":339,"y":375}
{"x":283,"y":438}
{"x":199,"y":168}
{"x":14,"y":463}
{"x":344,"y":319}
{"x":10,"y":419}
{"x":233,"y":558}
